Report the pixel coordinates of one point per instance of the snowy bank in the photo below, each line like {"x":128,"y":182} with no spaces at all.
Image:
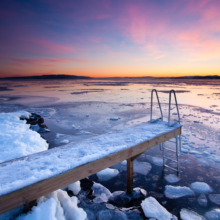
{"x":16,"y":139}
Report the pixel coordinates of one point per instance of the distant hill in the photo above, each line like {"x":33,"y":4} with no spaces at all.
{"x":197,"y":77}
{"x":47,"y":77}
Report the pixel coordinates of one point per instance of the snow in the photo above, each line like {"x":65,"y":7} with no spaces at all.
{"x":47,"y":164}
{"x":152,"y":208}
{"x":187,"y":214}
{"x":213,"y":214}
{"x":45,"y":210}
{"x":107,"y":174}
{"x":16,"y":139}
{"x":172,"y":178}
{"x":65,"y":205}
{"x":201,"y":187}
{"x":174,"y":192}
{"x":102,"y":194}
{"x":75,"y":187}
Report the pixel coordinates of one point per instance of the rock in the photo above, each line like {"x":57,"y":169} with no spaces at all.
{"x":202,"y":200}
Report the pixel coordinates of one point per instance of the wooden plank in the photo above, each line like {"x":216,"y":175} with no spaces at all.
{"x":129,"y":174}
{"x":41,"y":188}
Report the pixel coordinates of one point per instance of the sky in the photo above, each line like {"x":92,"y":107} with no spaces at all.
{"x":110,"y":38}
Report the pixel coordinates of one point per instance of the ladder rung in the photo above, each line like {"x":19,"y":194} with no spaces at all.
{"x":171,"y":168}
{"x":169,"y":149}
{"x":170,"y":159}
{"x":155,"y":120}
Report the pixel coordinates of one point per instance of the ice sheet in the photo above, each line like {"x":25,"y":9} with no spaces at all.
{"x":47,"y":164}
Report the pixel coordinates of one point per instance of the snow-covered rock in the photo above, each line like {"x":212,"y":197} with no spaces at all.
{"x":201,"y":187}
{"x":174,"y":192}
{"x":202,"y":200}
{"x":187,"y":214}
{"x":157,"y":161}
{"x":75,"y":187}
{"x":153,"y":209}
{"x":107,"y":174}
{"x":102,"y":193}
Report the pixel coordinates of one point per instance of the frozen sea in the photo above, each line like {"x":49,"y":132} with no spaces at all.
{"x":75,"y":110}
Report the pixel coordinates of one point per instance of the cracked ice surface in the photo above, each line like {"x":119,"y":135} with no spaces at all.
{"x":47,"y":164}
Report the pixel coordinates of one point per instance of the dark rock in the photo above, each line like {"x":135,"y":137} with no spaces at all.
{"x":124,"y":199}
{"x":86,"y":184}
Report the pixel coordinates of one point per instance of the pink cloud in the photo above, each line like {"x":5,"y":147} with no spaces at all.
{"x":40,"y":62}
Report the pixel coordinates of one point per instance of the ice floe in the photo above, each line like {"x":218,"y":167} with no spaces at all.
{"x":187,"y":214}
{"x":65,"y":141}
{"x":214,"y":214}
{"x":201,"y":187}
{"x":174,"y":192}
{"x":171,"y":178}
{"x":107,"y":174}
{"x":215,"y":198}
{"x":153,"y":209}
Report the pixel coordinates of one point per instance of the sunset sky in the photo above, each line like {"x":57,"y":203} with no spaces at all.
{"x":104,"y":38}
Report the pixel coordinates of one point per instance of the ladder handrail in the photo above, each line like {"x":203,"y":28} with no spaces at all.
{"x":160,"y":118}
{"x":170,"y":125}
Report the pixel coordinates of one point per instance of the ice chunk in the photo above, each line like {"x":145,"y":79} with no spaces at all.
{"x":75,"y":187}
{"x":139,"y":167}
{"x":194,"y":152}
{"x":174,"y":192}
{"x":201,"y":187}
{"x":215,"y":198}
{"x":213,"y":214}
{"x":203,"y":162}
{"x":153,"y":209}
{"x":114,"y":118}
{"x":202,"y":200}
{"x":172,"y":178}
{"x":101,"y":192}
{"x":184,"y":150}
{"x":65,"y":141}
{"x":157,"y":161}
{"x":215,"y":158}
{"x":124,"y":162}
{"x":187,"y":214}
{"x":107,"y":174}
{"x":45,"y":210}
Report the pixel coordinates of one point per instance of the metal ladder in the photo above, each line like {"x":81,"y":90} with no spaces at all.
{"x":151,"y":112}
{"x":177,"y":138}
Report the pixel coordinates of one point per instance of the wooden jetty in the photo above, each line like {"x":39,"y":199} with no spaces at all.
{"x":127,"y":144}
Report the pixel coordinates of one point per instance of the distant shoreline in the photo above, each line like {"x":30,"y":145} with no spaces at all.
{"x":55,"y":77}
